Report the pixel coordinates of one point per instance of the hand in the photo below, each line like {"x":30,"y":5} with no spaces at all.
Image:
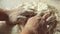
{"x":38,"y":24}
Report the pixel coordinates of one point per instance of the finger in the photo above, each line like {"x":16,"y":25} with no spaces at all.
{"x":45,"y":16}
{"x":52,"y":25}
{"x":40,"y":14}
{"x":51,"y":18}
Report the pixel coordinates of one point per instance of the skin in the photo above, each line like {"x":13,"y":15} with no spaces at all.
{"x":38,"y":24}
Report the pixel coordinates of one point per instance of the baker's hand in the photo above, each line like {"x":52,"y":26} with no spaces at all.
{"x":38,"y":24}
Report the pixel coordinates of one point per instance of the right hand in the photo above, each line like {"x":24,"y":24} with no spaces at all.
{"x":38,"y":24}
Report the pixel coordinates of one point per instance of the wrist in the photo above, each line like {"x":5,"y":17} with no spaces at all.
{"x":27,"y":31}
